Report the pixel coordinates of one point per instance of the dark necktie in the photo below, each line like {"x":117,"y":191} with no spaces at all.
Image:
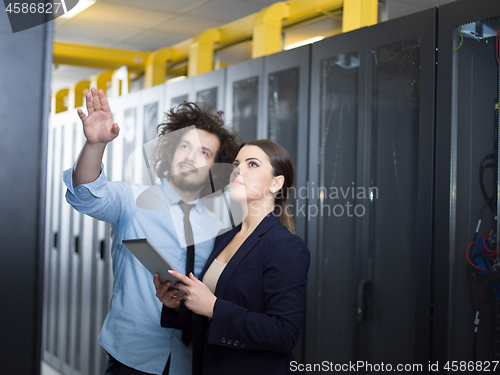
{"x":188,"y":231}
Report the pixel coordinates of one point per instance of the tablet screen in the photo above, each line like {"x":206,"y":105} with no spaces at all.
{"x":152,"y":259}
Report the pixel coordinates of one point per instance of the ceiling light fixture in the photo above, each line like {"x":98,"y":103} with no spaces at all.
{"x":80,"y":7}
{"x":176,"y":79}
{"x":304,"y":42}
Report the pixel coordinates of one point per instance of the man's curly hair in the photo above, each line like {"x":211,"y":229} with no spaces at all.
{"x":202,"y":117}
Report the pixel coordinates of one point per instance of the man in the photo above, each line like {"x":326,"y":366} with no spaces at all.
{"x":131,"y":333}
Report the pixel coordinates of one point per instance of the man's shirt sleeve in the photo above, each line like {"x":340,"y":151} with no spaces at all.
{"x":100,"y":199}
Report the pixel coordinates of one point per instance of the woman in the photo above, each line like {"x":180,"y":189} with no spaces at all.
{"x":248,"y":310}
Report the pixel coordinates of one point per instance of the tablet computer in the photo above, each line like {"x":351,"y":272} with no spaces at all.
{"x":152,"y":259}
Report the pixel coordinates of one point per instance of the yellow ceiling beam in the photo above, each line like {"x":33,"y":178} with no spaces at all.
{"x":156,"y":67}
{"x":230,"y":33}
{"x":237,"y":31}
{"x":77,"y":93}
{"x":243,"y":29}
{"x":267,"y":30}
{"x":359,"y":13}
{"x":180,"y":51}
{"x":60,"y":97}
{"x":201,"y":52}
{"x":98,"y":57}
{"x":264,"y":27}
{"x":102,"y":80}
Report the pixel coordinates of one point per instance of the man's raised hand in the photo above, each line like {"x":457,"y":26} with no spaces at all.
{"x":98,"y":125}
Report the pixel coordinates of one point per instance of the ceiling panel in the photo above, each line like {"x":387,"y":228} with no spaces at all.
{"x":101,"y":41}
{"x":179,"y":25}
{"x":151,"y":40}
{"x":172,"y":6}
{"x":108,"y":33}
{"x":263,"y":2}
{"x":114,"y":14}
{"x":226,"y":10}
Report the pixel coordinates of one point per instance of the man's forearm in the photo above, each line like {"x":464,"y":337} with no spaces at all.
{"x":88,"y":164}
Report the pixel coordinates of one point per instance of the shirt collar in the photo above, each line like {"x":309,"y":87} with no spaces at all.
{"x":173,"y":197}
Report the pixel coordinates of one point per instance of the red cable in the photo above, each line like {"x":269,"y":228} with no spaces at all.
{"x":472,"y":264}
{"x":487,"y":251}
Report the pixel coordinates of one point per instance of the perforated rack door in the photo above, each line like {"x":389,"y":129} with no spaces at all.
{"x":371,"y":156}
{"x":467,"y":131}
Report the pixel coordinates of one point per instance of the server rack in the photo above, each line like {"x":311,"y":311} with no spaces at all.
{"x":210,"y":88}
{"x":285,"y":115}
{"x":285,"y":103}
{"x":336,"y":112}
{"x":51,"y":349}
{"x":376,"y":121}
{"x":23,"y":185}
{"x":402,"y":74}
{"x":178,"y":92}
{"x":244,"y":90}
{"x":466,"y":321}
{"x":78,"y":275}
{"x":64,"y":251}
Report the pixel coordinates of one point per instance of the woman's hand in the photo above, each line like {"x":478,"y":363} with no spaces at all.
{"x":199,"y":299}
{"x":167,"y":295}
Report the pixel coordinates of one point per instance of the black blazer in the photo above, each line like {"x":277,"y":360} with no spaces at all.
{"x":260,"y":305}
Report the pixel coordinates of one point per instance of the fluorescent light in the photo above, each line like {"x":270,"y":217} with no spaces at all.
{"x":80,"y":7}
{"x":176,"y":79}
{"x":304,"y":42}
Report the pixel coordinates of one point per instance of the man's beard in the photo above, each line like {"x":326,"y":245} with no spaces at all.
{"x":180,"y":180}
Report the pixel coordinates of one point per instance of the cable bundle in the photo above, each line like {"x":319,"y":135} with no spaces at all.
{"x":483,"y":262}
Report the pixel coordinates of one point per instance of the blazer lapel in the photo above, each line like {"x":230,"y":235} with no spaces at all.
{"x":267,"y":223}
{"x":228,"y":236}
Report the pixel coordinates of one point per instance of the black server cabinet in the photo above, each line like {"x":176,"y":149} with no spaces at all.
{"x":401,"y":118}
{"x":178,"y":92}
{"x":51,"y":351}
{"x":371,"y":161}
{"x":209,"y":88}
{"x":336,"y":113}
{"x":244,"y":91}
{"x":285,"y":116}
{"x":23,"y":149}
{"x":285,"y":112}
{"x":466,"y":310}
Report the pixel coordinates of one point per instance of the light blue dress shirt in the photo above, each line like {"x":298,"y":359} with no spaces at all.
{"x":131,"y":332}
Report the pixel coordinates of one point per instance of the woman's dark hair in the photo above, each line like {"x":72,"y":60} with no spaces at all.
{"x":202,"y":117}
{"x":282,"y":164}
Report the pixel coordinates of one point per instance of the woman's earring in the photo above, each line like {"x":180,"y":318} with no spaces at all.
{"x":272,"y":190}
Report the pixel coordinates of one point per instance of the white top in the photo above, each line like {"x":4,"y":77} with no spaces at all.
{"x":212,"y":275}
